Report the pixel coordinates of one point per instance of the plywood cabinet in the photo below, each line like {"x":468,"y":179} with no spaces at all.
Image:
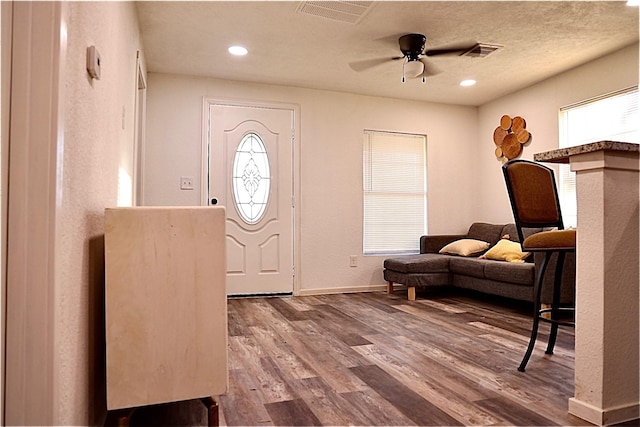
{"x":166,"y":311}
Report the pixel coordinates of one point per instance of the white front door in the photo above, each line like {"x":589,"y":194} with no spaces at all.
{"x":250,"y":173}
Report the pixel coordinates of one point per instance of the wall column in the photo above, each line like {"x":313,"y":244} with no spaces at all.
{"x":607,"y":277}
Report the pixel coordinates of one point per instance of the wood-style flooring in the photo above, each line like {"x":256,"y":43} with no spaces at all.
{"x":378,"y":359}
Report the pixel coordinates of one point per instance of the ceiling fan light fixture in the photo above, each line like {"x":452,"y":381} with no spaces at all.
{"x":238,"y":50}
{"x":468,"y":82}
{"x":413,"y":68}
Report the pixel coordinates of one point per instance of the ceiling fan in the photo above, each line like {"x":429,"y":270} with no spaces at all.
{"x":415,"y":57}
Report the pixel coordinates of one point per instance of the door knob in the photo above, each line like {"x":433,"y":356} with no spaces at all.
{"x":214,"y":201}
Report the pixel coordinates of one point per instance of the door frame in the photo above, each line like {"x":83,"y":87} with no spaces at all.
{"x":36,"y":125}
{"x":208,"y":102}
{"x":139,"y":126}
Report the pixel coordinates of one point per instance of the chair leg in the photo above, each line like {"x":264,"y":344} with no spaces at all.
{"x":555,"y":306}
{"x":537,"y":291}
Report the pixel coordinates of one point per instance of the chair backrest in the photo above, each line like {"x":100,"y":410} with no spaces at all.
{"x":533,"y":194}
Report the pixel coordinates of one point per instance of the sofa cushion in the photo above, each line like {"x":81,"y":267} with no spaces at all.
{"x":486,"y":232}
{"x":494,"y":287}
{"x":511,"y":231}
{"x":423,"y":263}
{"x":521,"y":274}
{"x":418,"y":279}
{"x":467,"y":266}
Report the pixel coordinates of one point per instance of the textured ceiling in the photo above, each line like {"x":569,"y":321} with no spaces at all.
{"x":287,"y":47}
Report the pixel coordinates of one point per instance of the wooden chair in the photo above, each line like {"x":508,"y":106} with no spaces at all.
{"x":534,"y":201}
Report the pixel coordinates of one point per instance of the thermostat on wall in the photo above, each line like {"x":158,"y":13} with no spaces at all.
{"x":93,"y":62}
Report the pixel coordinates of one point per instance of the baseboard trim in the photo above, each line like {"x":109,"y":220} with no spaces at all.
{"x":601,"y":417}
{"x":342,"y":290}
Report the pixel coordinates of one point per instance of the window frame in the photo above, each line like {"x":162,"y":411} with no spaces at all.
{"x":380,"y":184}
{"x":566,"y":178}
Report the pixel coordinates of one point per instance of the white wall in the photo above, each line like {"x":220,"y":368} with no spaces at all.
{"x":540,"y":105}
{"x":96,"y":146}
{"x":331,"y":141}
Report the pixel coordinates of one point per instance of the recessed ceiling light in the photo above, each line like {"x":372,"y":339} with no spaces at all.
{"x":469,"y":82}
{"x":238,"y":50}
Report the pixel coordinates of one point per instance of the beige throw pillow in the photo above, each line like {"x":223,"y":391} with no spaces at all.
{"x":465,"y":247}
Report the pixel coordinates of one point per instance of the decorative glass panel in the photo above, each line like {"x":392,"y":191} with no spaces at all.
{"x":251,"y":178}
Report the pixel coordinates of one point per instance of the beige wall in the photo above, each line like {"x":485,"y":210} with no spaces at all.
{"x":540,"y":105}
{"x":96,"y":145}
{"x":331,"y":141}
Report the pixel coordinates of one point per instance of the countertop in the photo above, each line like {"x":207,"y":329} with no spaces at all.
{"x":561,"y":155}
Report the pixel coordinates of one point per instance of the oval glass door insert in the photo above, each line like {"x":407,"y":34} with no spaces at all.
{"x":251,"y":178}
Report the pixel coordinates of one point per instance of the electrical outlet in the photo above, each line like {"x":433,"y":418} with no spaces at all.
{"x":353,"y":260}
{"x":186,"y":183}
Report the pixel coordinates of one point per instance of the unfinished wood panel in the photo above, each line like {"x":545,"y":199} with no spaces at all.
{"x":166,"y":310}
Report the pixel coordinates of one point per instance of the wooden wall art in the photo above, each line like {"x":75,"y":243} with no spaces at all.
{"x":509,"y":137}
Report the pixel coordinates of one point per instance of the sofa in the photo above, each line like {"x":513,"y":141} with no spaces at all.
{"x":477,"y":271}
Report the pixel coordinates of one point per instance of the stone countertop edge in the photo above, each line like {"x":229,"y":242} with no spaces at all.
{"x":561,"y":155}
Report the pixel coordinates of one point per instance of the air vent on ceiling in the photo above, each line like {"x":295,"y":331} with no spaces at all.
{"x":481,"y":50}
{"x":345,"y":11}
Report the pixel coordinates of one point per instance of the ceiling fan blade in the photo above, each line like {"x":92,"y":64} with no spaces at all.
{"x":367,"y":64}
{"x":390,"y":40}
{"x":452,"y":50}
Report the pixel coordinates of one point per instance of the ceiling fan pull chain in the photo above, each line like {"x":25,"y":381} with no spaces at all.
{"x":403,"y":63}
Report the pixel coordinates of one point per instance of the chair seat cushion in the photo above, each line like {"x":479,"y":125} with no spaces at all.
{"x":551,"y":240}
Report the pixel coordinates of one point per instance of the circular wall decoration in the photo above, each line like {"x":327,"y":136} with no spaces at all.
{"x":509,"y":137}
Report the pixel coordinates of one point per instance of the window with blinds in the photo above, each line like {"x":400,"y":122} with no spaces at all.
{"x":395,"y":192}
{"x":613,"y":117}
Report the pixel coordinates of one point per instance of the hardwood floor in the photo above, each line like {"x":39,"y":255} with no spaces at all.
{"x":378,"y":359}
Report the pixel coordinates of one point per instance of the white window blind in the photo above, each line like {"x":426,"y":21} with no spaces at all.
{"x":613,"y":117}
{"x":395,"y":192}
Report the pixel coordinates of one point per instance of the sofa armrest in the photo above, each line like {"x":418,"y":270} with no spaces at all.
{"x":431,"y":244}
